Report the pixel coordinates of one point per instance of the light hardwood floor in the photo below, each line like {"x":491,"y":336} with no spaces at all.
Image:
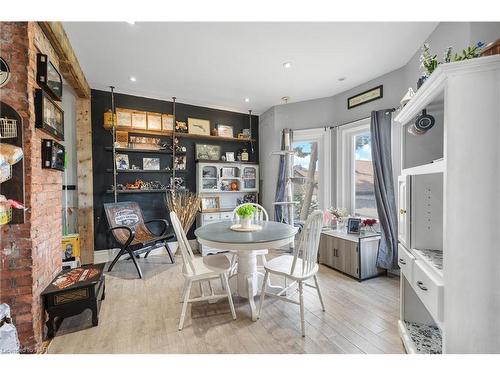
{"x":141,"y":316}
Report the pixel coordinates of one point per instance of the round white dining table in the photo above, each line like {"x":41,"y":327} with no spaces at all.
{"x":220,"y":236}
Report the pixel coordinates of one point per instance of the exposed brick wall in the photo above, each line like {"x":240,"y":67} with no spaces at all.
{"x":30,"y":255}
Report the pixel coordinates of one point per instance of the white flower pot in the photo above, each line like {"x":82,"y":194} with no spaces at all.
{"x":246,"y":222}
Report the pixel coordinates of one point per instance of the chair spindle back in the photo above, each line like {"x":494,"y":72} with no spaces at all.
{"x":308,"y":244}
{"x":260,"y":215}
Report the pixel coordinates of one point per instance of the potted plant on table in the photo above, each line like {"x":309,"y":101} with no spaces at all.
{"x":245,"y":214}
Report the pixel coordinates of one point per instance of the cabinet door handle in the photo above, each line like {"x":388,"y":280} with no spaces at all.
{"x":401,"y":260}
{"x":402,"y":211}
{"x":421,"y":286}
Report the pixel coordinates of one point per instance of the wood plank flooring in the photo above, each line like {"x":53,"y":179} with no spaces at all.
{"x":141,"y":316}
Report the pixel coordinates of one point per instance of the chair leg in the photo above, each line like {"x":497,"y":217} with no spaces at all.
{"x":319,"y":292}
{"x":184,"y":289}
{"x":301,"y":298}
{"x":184,"y":305}
{"x":229,"y":296}
{"x":135,"y":263}
{"x":120,"y":253}
{"x":263,"y":293}
{"x":222,"y":282}
{"x":170,"y":255}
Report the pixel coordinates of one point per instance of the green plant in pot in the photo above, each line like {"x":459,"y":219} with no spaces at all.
{"x":245,"y":214}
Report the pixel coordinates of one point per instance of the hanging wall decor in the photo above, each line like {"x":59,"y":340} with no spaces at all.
{"x":48,"y":77}
{"x":365,"y":97}
{"x":4,"y":72}
{"x":48,"y":116}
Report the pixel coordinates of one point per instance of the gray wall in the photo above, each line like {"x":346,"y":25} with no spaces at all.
{"x":333,"y":110}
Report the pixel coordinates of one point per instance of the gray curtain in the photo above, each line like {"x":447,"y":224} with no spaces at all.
{"x":380,"y":129}
{"x":279,"y":215}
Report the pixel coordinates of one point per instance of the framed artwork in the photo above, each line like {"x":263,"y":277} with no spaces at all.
{"x":225,"y":131}
{"x":207,"y":152}
{"x":210,"y":204}
{"x":353,"y":225}
{"x":365,"y":97}
{"x":122,"y":139}
{"x":154,"y":121}
{"x":229,"y":156}
{"x":4,"y":72}
{"x":180,"y":163}
{"x":122,"y":162}
{"x":198,"y":126}
{"x":167,"y":122}
{"x":48,"y":116}
{"x":123,"y":117}
{"x":48,"y":77}
{"x":151,"y":164}
{"x":139,"y":120}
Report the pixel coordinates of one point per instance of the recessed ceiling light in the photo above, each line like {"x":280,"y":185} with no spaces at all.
{"x":247,"y":100}
{"x":341,"y":79}
{"x":131,"y":22}
{"x":133,"y":79}
{"x":287,"y":65}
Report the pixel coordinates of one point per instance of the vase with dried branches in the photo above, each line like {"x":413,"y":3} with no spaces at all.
{"x":185,"y":204}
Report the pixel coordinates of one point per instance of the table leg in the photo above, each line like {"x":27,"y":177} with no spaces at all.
{"x":247,"y":278}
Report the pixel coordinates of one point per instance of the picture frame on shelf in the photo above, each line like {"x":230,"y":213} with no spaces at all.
{"x":151,"y":164}
{"x":167,"y":122}
{"x":230,"y":156}
{"x":122,"y":162}
{"x":180,"y":163}
{"x":353,"y":225}
{"x":139,"y":120}
{"x":121,"y":139}
{"x":49,"y":117}
{"x":154,"y":121}
{"x":198,"y":126}
{"x":207,"y":152}
{"x":210,"y":204}
{"x":48,"y":77}
{"x":123,"y":117}
{"x":225,"y":131}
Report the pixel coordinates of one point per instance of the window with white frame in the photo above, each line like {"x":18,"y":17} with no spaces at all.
{"x":355,"y":179}
{"x":311,"y":169}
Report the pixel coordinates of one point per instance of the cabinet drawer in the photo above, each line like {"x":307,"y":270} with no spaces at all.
{"x":226,"y":216}
{"x":406,"y":262}
{"x":429,"y":290}
{"x":211,"y":217}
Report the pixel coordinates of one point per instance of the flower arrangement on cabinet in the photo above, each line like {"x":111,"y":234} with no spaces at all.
{"x":339,"y":215}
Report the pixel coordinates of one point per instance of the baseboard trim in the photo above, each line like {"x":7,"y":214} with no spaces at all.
{"x":107,"y":255}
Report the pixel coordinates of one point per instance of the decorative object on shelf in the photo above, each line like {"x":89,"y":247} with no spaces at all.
{"x":53,"y":155}
{"x":245,"y":214}
{"x":48,"y":77}
{"x":244,"y":155}
{"x":139,"y":120}
{"x":365,"y":97}
{"x":121,"y":139}
{"x":207,"y":152}
{"x":180,"y":162}
{"x":353,"y":225}
{"x":245,"y":134}
{"x":198,"y":126}
{"x":225,"y":131}
{"x":185,"y":204}
{"x":339,"y":215}
{"x":8,"y":128}
{"x":10,"y":154}
{"x":137,"y":184}
{"x":167,"y":122}
{"x":368,"y":224}
{"x":210,"y":204}
{"x":422,"y":124}
{"x":122,"y":162}
{"x":247,"y":198}
{"x":154,"y":121}
{"x":230,"y":156}
{"x":108,"y":118}
{"x":135,"y":167}
{"x":428,"y":61}
{"x":181,"y":127}
{"x":145,"y":143}
{"x":223,"y":158}
{"x":4,"y":72}
{"x":151,"y":164}
{"x":177,"y":183}
{"x":409,"y":94}
{"x":48,"y":116}
{"x":123,"y":117}
{"x":492,"y":48}
{"x":234,"y":186}
{"x":152,"y":185}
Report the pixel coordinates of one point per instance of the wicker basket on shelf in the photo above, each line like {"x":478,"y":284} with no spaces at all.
{"x":8,"y":128}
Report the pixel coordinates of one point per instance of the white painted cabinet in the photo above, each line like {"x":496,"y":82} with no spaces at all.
{"x":403,"y":204}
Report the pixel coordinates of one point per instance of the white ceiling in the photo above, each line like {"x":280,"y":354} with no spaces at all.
{"x":218,"y":65}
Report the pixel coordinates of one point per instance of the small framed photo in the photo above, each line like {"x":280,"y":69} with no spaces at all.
{"x":353,"y":225}
{"x":122,"y":162}
{"x":225,"y":131}
{"x":198,"y":126}
{"x":230,"y":156}
{"x":207,"y":152}
{"x":180,"y":163}
{"x":210,"y":204}
{"x":151,"y":164}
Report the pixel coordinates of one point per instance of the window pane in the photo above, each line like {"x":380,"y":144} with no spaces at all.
{"x":305,"y":166}
{"x":364,"y":192}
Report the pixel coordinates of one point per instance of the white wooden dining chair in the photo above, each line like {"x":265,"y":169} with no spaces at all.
{"x":299,"y":267}
{"x":260,"y":216}
{"x":199,"y":270}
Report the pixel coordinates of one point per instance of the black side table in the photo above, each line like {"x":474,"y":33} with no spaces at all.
{"x":73,"y":291}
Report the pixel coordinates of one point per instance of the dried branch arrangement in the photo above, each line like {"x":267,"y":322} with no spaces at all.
{"x":185,"y":204}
